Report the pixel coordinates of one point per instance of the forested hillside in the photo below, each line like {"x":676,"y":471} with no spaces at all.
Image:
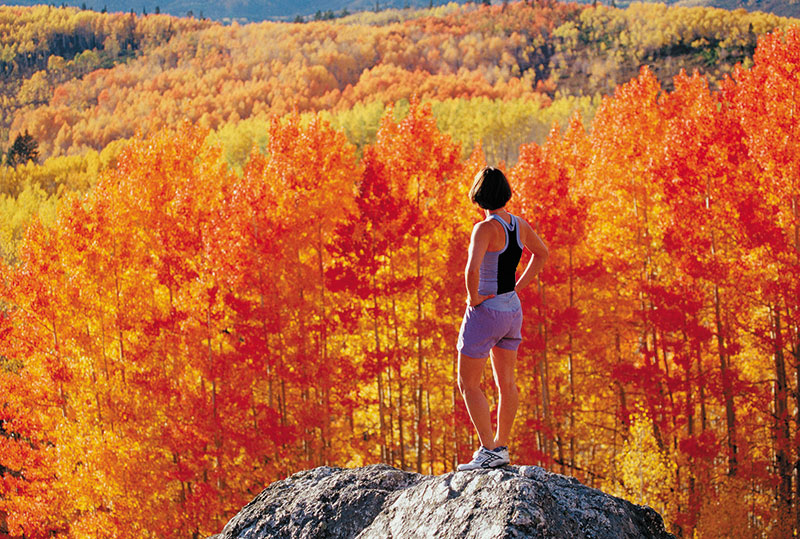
{"x":234,"y":252}
{"x":42,"y":48}
{"x":259,"y":10}
{"x":245,"y":11}
{"x":125,"y":73}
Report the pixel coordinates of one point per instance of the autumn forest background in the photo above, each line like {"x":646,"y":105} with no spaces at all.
{"x":232,"y":252}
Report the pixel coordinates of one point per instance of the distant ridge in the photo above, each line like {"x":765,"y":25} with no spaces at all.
{"x":244,"y":11}
{"x":782,"y":9}
{"x":259,"y":10}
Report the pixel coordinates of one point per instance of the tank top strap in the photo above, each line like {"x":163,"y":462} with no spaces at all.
{"x":509,"y":227}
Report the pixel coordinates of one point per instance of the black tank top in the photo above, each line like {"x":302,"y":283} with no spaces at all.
{"x":498,"y":273}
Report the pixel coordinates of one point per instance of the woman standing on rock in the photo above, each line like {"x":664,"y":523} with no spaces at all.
{"x":493,"y":321}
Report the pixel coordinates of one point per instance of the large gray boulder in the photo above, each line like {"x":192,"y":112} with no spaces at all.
{"x":381,"y":501}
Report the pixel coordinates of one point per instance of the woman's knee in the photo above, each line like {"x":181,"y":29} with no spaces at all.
{"x":467,"y":384}
{"x":470,"y":372}
{"x":507,"y":387}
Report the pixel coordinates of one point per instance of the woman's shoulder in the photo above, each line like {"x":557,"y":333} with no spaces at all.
{"x":525,"y":229}
{"x":522,"y":222}
{"x":488,"y":228}
{"x":481,"y":226}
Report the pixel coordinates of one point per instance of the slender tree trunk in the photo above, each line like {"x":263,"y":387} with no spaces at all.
{"x":62,"y":395}
{"x":727,"y":392}
{"x":432,"y":455}
{"x":253,"y":410}
{"x":400,"y":385}
{"x":221,"y":478}
{"x":210,"y":368}
{"x":108,"y":396}
{"x":701,"y":392}
{"x":282,"y":397}
{"x":560,"y":447}
{"x":444,"y":437}
{"x":265,"y":336}
{"x":418,"y":403}
{"x":176,"y":459}
{"x":456,"y":400}
{"x":782,"y":431}
{"x":400,"y":391}
{"x":692,"y":502}
{"x":537,"y":415}
{"x":264,"y":329}
{"x":689,"y":394}
{"x":301,"y":359}
{"x":652,"y":357}
{"x":306,"y":444}
{"x":796,"y":354}
{"x":543,"y":369}
{"x":94,"y":381}
{"x":284,"y":411}
{"x":679,"y":483}
{"x":571,"y":361}
{"x":622,"y":406}
{"x":643,"y":239}
{"x":379,"y":355}
{"x":119,"y":314}
{"x":325,"y":427}
{"x":657,"y":419}
{"x":661,"y":386}
{"x":796,"y":215}
{"x":103,"y":347}
{"x":270,"y":350}
{"x":381,"y":367}
{"x":214,"y":411}
{"x":389,"y":398}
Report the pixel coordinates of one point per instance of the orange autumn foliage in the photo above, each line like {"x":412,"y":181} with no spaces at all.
{"x":89,"y":79}
{"x":185,"y":335}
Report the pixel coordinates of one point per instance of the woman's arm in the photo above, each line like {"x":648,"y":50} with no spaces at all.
{"x":478,"y":245}
{"x":532,"y":242}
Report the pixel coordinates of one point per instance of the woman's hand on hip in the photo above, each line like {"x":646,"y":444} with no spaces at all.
{"x":474,"y":301}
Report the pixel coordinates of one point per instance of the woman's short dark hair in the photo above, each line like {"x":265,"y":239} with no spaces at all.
{"x":490,"y":190}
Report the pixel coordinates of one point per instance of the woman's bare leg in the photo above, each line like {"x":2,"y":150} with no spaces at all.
{"x":503,"y":363}
{"x":470,"y":372}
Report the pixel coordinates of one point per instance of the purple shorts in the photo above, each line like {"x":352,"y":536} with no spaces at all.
{"x":483,"y":328}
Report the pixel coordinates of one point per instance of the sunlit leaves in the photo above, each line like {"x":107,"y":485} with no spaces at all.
{"x":185,"y":332}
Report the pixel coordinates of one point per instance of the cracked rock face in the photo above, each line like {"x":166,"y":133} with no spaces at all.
{"x":382,"y":501}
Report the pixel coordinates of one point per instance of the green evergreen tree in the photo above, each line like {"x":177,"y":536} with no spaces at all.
{"x":24,"y":149}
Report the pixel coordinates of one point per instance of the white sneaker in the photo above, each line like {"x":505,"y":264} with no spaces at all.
{"x":503,"y":452}
{"x":486,"y":458}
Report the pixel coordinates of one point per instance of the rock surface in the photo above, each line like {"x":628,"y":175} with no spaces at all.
{"x":382,"y":501}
